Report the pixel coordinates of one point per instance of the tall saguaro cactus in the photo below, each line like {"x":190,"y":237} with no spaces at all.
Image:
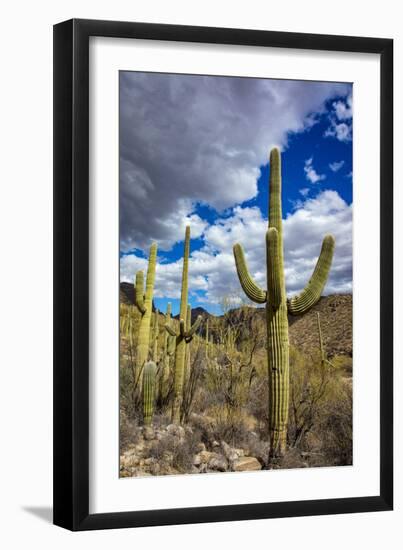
{"x":187,"y":350}
{"x":184,"y":337}
{"x":277,"y":305}
{"x":168,"y":351}
{"x":144,"y":303}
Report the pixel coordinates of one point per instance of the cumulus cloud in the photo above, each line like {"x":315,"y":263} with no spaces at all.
{"x":198,"y":139}
{"x":335,"y":166}
{"x":341,"y":120}
{"x":212,"y":268}
{"x":310,"y":172}
{"x":304,"y":191}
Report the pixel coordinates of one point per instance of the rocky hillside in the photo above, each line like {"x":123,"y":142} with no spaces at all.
{"x":335,"y":316}
{"x":127,"y":293}
{"x":336,"y":323}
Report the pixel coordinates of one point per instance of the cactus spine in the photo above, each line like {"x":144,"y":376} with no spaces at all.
{"x":184,"y":336}
{"x":277,"y":306}
{"x":149,"y":374}
{"x":144,"y":302}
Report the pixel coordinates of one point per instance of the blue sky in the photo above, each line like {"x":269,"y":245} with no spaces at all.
{"x":194,"y":151}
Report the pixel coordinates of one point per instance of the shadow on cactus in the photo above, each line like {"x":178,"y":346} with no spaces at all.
{"x":278,"y":307}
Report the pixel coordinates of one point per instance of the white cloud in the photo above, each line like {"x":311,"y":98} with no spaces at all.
{"x":336,"y":166}
{"x":344,"y":110}
{"x":186,"y":139}
{"x":304,"y":191}
{"x":212,"y":268}
{"x":341,"y":120}
{"x":341,"y":131}
{"x":310,"y":172}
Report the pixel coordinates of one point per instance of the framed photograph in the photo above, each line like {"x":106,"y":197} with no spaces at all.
{"x":223,"y":318}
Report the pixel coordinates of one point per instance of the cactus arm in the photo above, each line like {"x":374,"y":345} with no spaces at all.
{"x":190,"y":332}
{"x":182,"y":328}
{"x":274,"y":275}
{"x":139,"y":298}
{"x":171,"y":345}
{"x":251,"y":289}
{"x":152,"y":262}
{"x":170,"y":330}
{"x":313,"y":290}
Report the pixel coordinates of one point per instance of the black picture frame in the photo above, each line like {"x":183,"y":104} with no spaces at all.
{"x":71,"y":274}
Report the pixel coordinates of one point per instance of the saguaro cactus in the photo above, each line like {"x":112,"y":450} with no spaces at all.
{"x":150,"y":370}
{"x":168,"y":351}
{"x":277,"y":306}
{"x":144,"y":303}
{"x":154,"y":337}
{"x":187,"y":350}
{"x":184,"y":337}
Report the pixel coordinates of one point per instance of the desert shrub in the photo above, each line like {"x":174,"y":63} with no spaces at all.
{"x":258,"y":447}
{"x":231,"y":428}
{"x":292,"y":459}
{"x":128,"y":430}
{"x":320,"y":417}
{"x":258,"y":400}
{"x":184,"y":452}
{"x":336,"y":429}
{"x":344,"y":363}
{"x":204,"y":427}
{"x":181,"y":450}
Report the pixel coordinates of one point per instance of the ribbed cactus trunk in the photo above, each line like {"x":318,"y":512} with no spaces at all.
{"x":180,"y":350}
{"x":187,"y":350}
{"x":184,"y":337}
{"x":278,"y":307}
{"x":164,"y":377}
{"x":276,"y":315}
{"x":144,"y":303}
{"x":149,"y":375}
{"x":155,"y":336}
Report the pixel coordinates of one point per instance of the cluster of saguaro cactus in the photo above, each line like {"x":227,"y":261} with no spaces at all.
{"x":149,"y":377}
{"x":144,"y":303}
{"x":183,"y":337}
{"x":277,"y":306}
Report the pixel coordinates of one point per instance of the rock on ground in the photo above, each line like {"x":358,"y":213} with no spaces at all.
{"x":246,"y":464}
